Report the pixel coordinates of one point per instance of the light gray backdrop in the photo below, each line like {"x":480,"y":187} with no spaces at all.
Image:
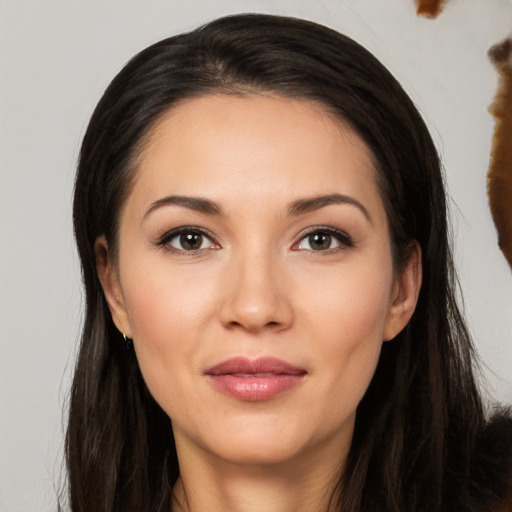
{"x":56,"y":58}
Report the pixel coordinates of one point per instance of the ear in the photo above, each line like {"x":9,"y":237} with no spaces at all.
{"x":109,"y":278}
{"x":405,"y":294}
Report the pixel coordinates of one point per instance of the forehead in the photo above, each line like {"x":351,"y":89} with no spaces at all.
{"x":251,"y":145}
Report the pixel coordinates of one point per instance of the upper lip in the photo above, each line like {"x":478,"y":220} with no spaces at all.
{"x":261,"y":365}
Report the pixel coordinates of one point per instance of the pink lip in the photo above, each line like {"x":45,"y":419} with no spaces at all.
{"x":254,"y":380}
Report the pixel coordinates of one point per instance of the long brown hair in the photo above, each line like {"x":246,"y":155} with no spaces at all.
{"x":420,"y":427}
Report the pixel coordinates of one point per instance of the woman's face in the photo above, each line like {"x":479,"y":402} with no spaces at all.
{"x":255,"y":277}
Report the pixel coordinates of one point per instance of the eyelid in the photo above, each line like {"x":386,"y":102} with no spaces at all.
{"x":344,"y":239}
{"x":163,"y":241}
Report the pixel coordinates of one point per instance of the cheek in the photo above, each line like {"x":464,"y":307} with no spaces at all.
{"x":351,"y":305}
{"x":347,"y":317}
{"x":350,"y":355}
{"x":167,"y":311}
{"x":354,"y":341}
{"x":165,"y":302}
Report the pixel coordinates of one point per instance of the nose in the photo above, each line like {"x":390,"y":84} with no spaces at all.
{"x":256,"y":296}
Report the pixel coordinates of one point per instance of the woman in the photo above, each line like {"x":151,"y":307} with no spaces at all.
{"x":260,"y":213}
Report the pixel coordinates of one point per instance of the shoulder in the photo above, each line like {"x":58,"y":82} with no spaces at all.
{"x":506,"y":504}
{"x":492,"y":466}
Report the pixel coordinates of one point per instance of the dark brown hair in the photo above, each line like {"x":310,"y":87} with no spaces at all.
{"x":421,"y":440}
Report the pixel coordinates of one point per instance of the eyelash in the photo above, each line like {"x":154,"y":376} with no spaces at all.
{"x":344,"y":240}
{"x":165,"y":240}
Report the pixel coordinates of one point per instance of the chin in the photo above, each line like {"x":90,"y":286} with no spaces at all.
{"x":246,"y":438}
{"x":270,"y":440}
{"x":252,"y":450}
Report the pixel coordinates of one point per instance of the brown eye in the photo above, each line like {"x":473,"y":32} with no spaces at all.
{"x":187,"y":240}
{"x":323,"y":240}
{"x":191,"y":241}
{"x":320,"y":241}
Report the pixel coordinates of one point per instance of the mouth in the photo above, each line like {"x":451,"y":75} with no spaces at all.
{"x":254,"y":379}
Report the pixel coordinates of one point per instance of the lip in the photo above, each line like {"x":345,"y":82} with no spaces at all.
{"x":254,"y":379}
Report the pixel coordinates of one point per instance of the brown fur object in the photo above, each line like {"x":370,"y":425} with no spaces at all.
{"x":429,"y":8}
{"x":499,"y":177}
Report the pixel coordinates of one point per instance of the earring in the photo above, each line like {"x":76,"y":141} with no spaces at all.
{"x":128,"y":342}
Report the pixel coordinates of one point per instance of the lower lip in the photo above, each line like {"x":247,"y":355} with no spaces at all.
{"x":255,"y":389}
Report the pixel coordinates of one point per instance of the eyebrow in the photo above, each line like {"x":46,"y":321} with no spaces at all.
{"x":298,"y":207}
{"x":197,"y":204}
{"x":310,"y":204}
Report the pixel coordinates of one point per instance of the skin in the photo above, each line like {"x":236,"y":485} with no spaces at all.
{"x":257,"y":287}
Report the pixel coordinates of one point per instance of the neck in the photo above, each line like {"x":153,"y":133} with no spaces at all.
{"x":305,"y":484}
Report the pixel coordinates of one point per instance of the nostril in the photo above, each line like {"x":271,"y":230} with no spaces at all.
{"x":252,"y":327}
{"x":255,"y":308}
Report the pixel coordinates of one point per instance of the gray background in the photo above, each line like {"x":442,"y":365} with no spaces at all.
{"x":56,"y":58}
